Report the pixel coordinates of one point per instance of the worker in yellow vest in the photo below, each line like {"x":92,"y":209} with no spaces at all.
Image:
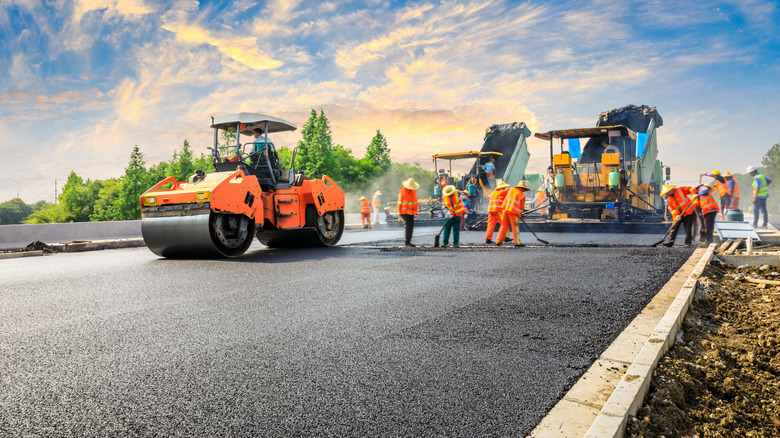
{"x":408,"y":207}
{"x":733,"y":187}
{"x":365,"y":212}
{"x":453,"y":210}
{"x":495,"y":204}
{"x":709,"y":211}
{"x":682,"y":208}
{"x":760,"y":194}
{"x":513,"y":207}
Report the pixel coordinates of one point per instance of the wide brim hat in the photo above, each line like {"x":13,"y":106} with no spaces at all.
{"x":727,"y":175}
{"x":410,"y":184}
{"x":522,"y":185}
{"x":361,"y":198}
{"x":666,"y":189}
{"x":378,"y":193}
{"x":500,"y":184}
{"x":448,"y":190}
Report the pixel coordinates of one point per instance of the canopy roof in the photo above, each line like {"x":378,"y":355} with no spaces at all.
{"x":598,"y":131}
{"x":251,"y":121}
{"x":462,"y":155}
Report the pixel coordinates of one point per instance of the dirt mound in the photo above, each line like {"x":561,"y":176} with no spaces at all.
{"x":39,"y":246}
{"x":722,"y":377}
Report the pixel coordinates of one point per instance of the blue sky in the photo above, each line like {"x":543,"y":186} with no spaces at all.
{"x":82,"y":82}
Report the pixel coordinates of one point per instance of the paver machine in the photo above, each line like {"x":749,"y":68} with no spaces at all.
{"x":218,"y":214}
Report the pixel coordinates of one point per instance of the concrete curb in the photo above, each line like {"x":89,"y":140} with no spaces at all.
{"x":630,"y":392}
{"x":18,"y":254}
{"x":615,"y":385}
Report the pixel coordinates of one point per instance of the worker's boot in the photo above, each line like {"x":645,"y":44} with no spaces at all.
{"x":519,"y":245}
{"x":668,"y":244}
{"x":487,"y":241}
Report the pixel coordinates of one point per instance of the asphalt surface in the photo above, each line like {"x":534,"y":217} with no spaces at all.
{"x":365,"y":339}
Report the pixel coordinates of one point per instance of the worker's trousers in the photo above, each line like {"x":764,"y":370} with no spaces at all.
{"x":509,"y":220}
{"x":493,"y":219}
{"x":758,"y":208}
{"x":687,"y":223}
{"x":452,"y":226}
{"x":735,"y":203}
{"x":725,"y":204}
{"x":376,"y":216}
{"x":708,"y":227}
{"x":408,"y":227}
{"x":365,"y":219}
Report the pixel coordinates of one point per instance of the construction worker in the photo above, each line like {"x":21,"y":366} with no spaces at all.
{"x":682,"y":208}
{"x":464,"y":198}
{"x":733,"y":190}
{"x":760,"y":195}
{"x":490,"y":167}
{"x":454,"y":211}
{"x":722,"y":187}
{"x":513,"y":207}
{"x":408,"y":208}
{"x":495,"y":205}
{"x":709,"y":211}
{"x":376,"y":203}
{"x":365,"y":212}
{"x":541,"y":199}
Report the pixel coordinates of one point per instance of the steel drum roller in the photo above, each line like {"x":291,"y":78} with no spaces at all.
{"x":195,"y":236}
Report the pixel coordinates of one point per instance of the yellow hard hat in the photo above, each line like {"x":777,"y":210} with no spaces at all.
{"x":666,"y":189}
{"x":716,"y":172}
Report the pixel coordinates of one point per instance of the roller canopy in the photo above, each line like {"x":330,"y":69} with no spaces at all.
{"x":252,"y":121}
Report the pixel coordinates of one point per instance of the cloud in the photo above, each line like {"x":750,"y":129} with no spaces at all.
{"x":112,"y":7}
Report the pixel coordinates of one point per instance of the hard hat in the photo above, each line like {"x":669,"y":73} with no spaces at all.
{"x":448,"y":190}
{"x":666,"y":189}
{"x":751,"y":169}
{"x":410,"y":184}
{"x":522,"y":185}
{"x":716,"y":172}
{"x":727,"y":174}
{"x":500,"y":184}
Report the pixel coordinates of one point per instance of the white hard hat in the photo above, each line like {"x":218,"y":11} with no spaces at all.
{"x":751,"y":169}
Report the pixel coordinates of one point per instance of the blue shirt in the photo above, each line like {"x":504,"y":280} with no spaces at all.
{"x":490,"y":167}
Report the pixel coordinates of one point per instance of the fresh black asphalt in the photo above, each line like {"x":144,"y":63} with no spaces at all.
{"x":364,"y":339}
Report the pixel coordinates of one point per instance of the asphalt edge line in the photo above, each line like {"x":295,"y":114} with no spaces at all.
{"x":628,"y":396}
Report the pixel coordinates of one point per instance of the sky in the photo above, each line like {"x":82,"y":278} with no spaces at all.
{"x":82,"y":82}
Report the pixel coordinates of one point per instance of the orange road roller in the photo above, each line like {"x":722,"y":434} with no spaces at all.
{"x":218,"y":214}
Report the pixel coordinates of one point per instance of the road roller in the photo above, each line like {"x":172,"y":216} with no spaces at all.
{"x":218,"y":214}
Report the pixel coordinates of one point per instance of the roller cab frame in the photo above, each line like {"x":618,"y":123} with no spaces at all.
{"x":218,"y":214}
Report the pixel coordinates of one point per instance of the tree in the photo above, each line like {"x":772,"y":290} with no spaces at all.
{"x":182,"y":166}
{"x":378,"y":152}
{"x":105,"y":205}
{"x":51,"y":214}
{"x":78,"y":197}
{"x":133,"y":184}
{"x":316,"y":154}
{"x":14,"y":211}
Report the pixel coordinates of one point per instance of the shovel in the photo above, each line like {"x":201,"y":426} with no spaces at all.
{"x":436,"y":239}
{"x":532,"y":232}
{"x":667,"y":233}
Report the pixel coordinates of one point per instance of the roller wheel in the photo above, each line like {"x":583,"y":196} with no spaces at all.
{"x":330,"y":227}
{"x":231,"y":233}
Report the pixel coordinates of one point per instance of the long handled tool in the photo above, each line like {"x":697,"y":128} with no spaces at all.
{"x":532,"y":232}
{"x":436,"y":239}
{"x":667,"y":233}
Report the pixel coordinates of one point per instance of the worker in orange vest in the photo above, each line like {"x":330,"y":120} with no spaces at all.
{"x":541,"y":199}
{"x":454,"y":211}
{"x":722,"y":187}
{"x":682,"y":206}
{"x":365,"y":212}
{"x":733,"y":187}
{"x":408,"y":208}
{"x":376,"y":203}
{"x":495,"y":205}
{"x":513,"y":207}
{"x":709,"y":211}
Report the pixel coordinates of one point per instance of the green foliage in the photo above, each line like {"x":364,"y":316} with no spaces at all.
{"x":378,"y":152}
{"x":79,"y":197}
{"x":52,"y":213}
{"x":106,"y":204}
{"x":285,"y":157}
{"x":134,"y":183}
{"x":14,"y":211}
{"x":316,"y":153}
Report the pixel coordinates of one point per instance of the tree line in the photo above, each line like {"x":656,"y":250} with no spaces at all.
{"x":118,"y":198}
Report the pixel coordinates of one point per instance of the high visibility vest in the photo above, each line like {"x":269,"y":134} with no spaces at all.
{"x":514,"y":203}
{"x":376,"y":202}
{"x":735,"y":193}
{"x":453,"y":204}
{"x":541,"y":199}
{"x":407,"y":201}
{"x":763,"y":190}
{"x":721,"y":187}
{"x":679,"y":203}
{"x":365,"y":206}
{"x":497,"y":200}
{"x":707,"y":203}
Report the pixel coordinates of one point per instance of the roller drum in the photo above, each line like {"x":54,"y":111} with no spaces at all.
{"x":198,"y":236}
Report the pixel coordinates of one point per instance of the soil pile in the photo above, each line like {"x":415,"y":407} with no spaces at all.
{"x":722,"y":377}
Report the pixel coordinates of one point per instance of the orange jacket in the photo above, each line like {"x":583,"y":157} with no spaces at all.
{"x":453,"y":204}
{"x":365,"y":206}
{"x":497,"y":200}
{"x":514,"y":203}
{"x":679,"y":203}
{"x":721,"y":187}
{"x":734,"y":194}
{"x":407,"y":201}
{"x":376,"y":201}
{"x":707,"y":203}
